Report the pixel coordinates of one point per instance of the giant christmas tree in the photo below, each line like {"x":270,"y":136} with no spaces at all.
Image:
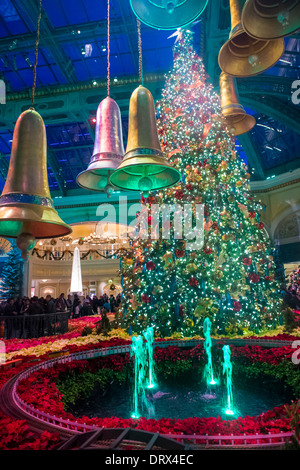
{"x":12,"y":275}
{"x":230,"y":279}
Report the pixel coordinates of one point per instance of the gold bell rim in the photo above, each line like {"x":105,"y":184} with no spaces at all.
{"x":241,"y":124}
{"x":41,"y":222}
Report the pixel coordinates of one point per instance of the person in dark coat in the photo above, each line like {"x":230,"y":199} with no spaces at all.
{"x":50,"y":304}
{"x":60,"y":303}
{"x":95,"y":304}
{"x":112,"y":303}
{"x":9,"y":311}
{"x":76,"y":303}
{"x":36,"y":324}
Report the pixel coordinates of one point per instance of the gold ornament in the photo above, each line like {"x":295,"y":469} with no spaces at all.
{"x":191,"y":267}
{"x":168,"y":260}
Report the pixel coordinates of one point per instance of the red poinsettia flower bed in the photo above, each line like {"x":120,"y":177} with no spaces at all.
{"x":15,"y":435}
{"x":40,"y":391}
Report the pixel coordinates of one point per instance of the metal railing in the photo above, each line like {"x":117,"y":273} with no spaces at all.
{"x":34,"y":326}
{"x":199,"y":440}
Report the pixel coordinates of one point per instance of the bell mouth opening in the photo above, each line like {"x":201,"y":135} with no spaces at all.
{"x":271,"y":9}
{"x":271,"y":19}
{"x":235,"y":118}
{"x":145,"y":170}
{"x":94,"y":179}
{"x":241,"y":58}
{"x":241,"y":124}
{"x":243,"y":46}
{"x":39,"y":230}
{"x":140,"y":180}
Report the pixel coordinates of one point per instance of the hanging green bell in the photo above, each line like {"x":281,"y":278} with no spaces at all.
{"x":144,"y":167}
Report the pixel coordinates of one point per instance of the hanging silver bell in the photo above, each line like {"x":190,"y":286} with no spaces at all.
{"x":108,"y":149}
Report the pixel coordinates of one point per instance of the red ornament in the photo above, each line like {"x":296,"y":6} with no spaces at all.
{"x":237,"y":306}
{"x":179,"y":194}
{"x":179,"y":253}
{"x":254,"y":277}
{"x":150,"y":265}
{"x":267,"y":278}
{"x":145,"y":298}
{"x":252,"y":214}
{"x":247,"y":261}
{"x":260,"y":225}
{"x":193,"y":282}
{"x":207,"y":250}
{"x":189,"y":187}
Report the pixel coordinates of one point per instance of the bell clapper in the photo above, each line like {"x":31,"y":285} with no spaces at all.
{"x":283,"y":18}
{"x":145,"y":183}
{"x":26,"y":241}
{"x":170,"y":7}
{"x":108,"y":188}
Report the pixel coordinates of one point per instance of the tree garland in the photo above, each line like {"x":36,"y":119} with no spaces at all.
{"x":36,"y":252}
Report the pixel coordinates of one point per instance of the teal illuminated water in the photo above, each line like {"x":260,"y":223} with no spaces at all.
{"x":140,"y":368}
{"x":227,"y":371}
{"x":149,"y":337}
{"x":185,"y":397}
{"x":208,"y":370}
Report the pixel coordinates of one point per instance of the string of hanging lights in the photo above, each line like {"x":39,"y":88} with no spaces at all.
{"x":144,"y":167}
{"x":108,"y":148}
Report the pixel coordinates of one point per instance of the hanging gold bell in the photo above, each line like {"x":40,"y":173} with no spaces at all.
{"x":108,"y":149}
{"x":167,"y":14}
{"x":26,"y":208}
{"x":267,"y":19}
{"x":238,"y":121}
{"x":244,"y":56}
{"x":144,"y":167}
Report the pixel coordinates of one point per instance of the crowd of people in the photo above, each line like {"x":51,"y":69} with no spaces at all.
{"x":87,"y":306}
{"x":76,"y":307}
{"x":73,"y":304}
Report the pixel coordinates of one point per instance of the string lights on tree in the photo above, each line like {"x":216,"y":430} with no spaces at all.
{"x":231,"y":278}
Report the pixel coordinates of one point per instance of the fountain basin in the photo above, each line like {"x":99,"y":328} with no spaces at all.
{"x":185,"y":397}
